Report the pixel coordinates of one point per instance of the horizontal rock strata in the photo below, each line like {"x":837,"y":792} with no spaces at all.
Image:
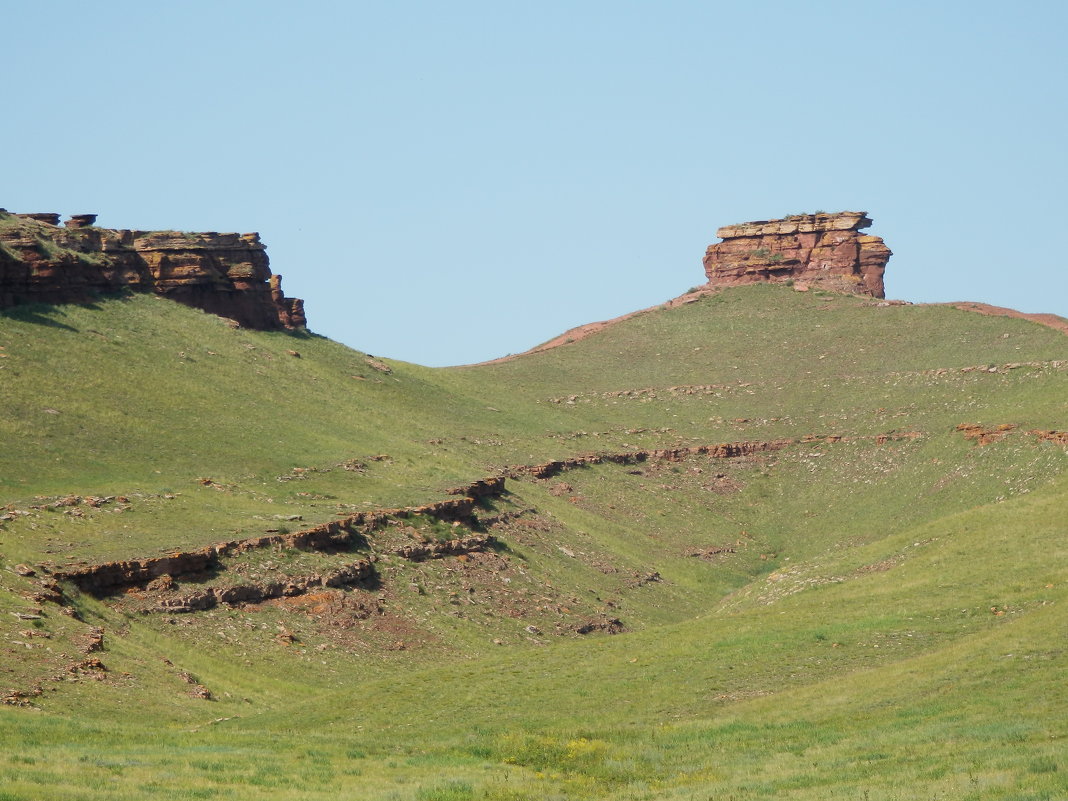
{"x":224,"y":274}
{"x":724,"y":450}
{"x":350,"y":532}
{"x":824,"y":250}
{"x":208,"y":598}
{"x":421,"y":552}
{"x":336,"y":535}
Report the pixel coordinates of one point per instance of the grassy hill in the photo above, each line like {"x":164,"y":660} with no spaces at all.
{"x":869,"y":605}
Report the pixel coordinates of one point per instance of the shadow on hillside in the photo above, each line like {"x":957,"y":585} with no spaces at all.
{"x":41,"y":314}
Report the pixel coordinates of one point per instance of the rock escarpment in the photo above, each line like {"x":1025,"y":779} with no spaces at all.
{"x":224,"y":274}
{"x":346,"y":534}
{"x":825,"y":250}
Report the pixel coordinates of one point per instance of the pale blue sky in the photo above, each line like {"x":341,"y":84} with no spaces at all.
{"x":446,"y":182}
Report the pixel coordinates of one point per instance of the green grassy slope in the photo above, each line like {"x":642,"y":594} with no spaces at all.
{"x":859,"y":618}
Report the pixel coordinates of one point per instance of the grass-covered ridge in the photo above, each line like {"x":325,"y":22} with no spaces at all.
{"x":865,"y":617}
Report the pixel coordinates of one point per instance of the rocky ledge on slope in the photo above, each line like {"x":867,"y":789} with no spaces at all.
{"x":824,"y":250}
{"x":224,"y":274}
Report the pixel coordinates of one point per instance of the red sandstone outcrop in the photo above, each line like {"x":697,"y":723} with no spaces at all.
{"x":492,"y":487}
{"x":238,"y":595}
{"x":336,"y":535}
{"x":1056,"y":437}
{"x":224,"y":274}
{"x":352,"y":531}
{"x":985,"y":435}
{"x":723,"y":450}
{"x":825,"y":250}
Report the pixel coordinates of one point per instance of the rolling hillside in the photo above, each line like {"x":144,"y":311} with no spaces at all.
{"x":764,"y":544}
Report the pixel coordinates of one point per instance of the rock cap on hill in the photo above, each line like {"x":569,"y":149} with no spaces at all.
{"x":820,"y":249}
{"x":223,"y":273}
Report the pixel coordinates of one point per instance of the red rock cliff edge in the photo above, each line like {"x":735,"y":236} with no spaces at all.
{"x":224,"y":274}
{"x":820,"y":249}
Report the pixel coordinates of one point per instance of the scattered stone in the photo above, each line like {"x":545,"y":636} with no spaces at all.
{"x":648,"y":578}
{"x":713,"y":553}
{"x":91,"y":666}
{"x":161,"y":584}
{"x":985,"y":435}
{"x":94,"y":640}
{"x":421,"y":552}
{"x":606,"y":625}
{"x":20,"y":697}
{"x":81,"y":220}
{"x":48,"y":592}
{"x":1056,"y":437}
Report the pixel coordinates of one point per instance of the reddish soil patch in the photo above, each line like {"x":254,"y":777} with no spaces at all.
{"x":1049,"y":320}
{"x":1056,"y":437}
{"x":583,"y":331}
{"x":985,"y":435}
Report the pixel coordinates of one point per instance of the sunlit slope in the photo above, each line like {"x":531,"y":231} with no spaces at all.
{"x":146,"y":392}
{"x":95,"y":397}
{"x":772,"y":332}
{"x":857,"y":613}
{"x":766,"y":361}
{"x":964,"y":576}
{"x":930,"y":663}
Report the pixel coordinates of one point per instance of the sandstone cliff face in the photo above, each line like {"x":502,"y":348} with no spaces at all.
{"x":825,"y":250}
{"x":225,"y":274}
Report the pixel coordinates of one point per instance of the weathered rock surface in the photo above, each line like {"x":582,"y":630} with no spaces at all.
{"x":210,"y":597}
{"x":985,"y":435}
{"x":1056,"y":437}
{"x":606,"y":625}
{"x":824,"y":250}
{"x":723,"y":450}
{"x":224,"y":274}
{"x":336,"y":535}
{"x":421,"y":552}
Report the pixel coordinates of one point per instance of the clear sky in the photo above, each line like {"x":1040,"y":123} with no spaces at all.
{"x":447,"y":182}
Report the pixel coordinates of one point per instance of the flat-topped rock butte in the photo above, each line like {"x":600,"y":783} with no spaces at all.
{"x":825,"y":250}
{"x":224,"y":274}
{"x":819,"y":250}
{"x":229,"y":274}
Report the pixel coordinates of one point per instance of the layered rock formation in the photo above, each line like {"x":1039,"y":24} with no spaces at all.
{"x":825,"y":250}
{"x":336,"y":535}
{"x":225,"y":274}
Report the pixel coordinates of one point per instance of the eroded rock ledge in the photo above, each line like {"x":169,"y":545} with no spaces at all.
{"x":336,"y":535}
{"x":825,"y":250}
{"x":351,"y":532}
{"x":224,"y":274}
